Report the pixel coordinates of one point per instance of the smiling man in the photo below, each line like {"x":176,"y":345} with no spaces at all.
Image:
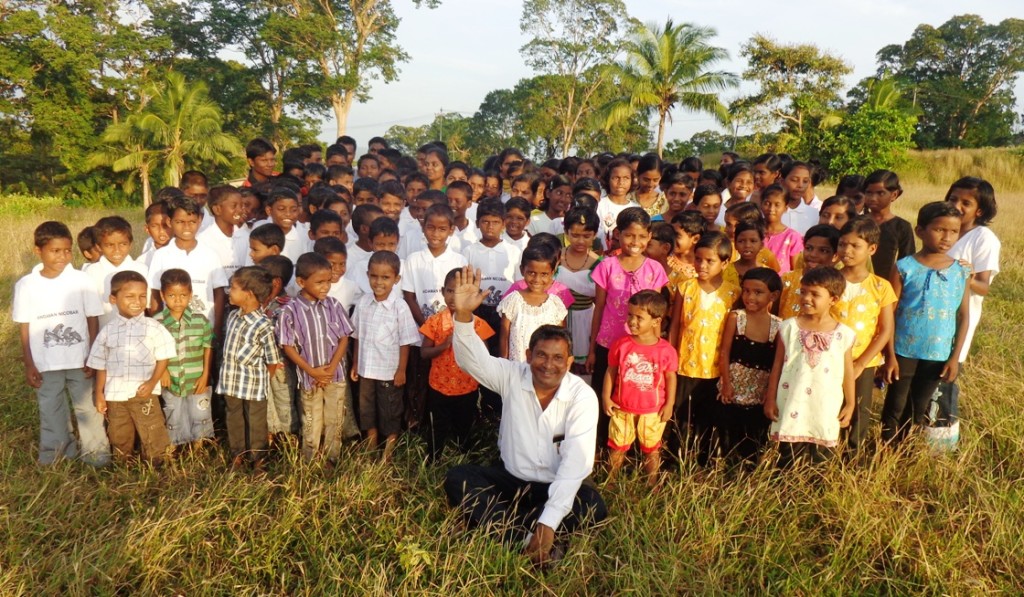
{"x":547,"y":436}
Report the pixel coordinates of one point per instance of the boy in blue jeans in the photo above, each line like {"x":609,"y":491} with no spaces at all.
{"x":55,"y":307}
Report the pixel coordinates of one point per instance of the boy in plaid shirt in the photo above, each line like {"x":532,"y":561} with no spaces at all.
{"x":251,"y":357}
{"x":130,"y":356}
{"x":313,"y":330}
{"x":186,"y":383}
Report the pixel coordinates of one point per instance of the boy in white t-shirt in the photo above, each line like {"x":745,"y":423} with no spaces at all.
{"x":227,"y":235}
{"x":56,"y":307}
{"x":114,"y":239}
{"x":201,"y":262}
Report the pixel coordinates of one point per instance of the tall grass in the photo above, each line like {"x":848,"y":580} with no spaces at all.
{"x":904,"y":523}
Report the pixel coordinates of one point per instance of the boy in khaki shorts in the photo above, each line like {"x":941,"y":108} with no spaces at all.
{"x":130,"y":356}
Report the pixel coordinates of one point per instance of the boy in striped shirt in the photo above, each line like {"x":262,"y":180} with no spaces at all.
{"x":186,"y":382}
{"x":313,"y":331}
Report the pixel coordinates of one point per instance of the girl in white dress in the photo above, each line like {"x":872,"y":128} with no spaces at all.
{"x":523,"y":311}
{"x":811,"y":389}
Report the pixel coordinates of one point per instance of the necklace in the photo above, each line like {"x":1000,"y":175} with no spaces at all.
{"x":565,"y":259}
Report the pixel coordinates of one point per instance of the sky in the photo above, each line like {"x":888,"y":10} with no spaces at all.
{"x":464,"y":49}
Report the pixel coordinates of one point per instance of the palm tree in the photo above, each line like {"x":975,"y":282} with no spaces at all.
{"x":178,"y":124}
{"x":668,"y":67}
{"x":124,"y":150}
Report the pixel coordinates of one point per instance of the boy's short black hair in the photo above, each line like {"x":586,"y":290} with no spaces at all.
{"x":192,"y":177}
{"x":120,"y":279}
{"x":863,"y":227}
{"x":111,"y":224}
{"x":434,"y":196}
{"x":315,"y":169}
{"x":347,"y":140}
{"x":826,"y":231}
{"x":690,"y":222}
{"x":417,"y":176}
{"x":165,"y":194}
{"x":337,"y":171}
{"x":256,"y":280}
{"x":664,"y":233}
{"x":362,"y":213}
{"x":491,"y":206}
{"x":378,"y":141}
{"x":186,"y":204}
{"x":438,"y":210}
{"x":365,"y":184}
{"x":383,"y":226}
{"x":336,"y":149}
{"x":280,"y":268}
{"x":520,"y":204}
{"x":87,"y":239}
{"x":318,"y":195}
{"x":330,"y":245}
{"x":270,"y":235}
{"x":828,"y":278}
{"x":461,"y":185}
{"x":281,"y":193}
{"x":50,"y":230}
{"x":157,"y":208}
{"x":258,"y":147}
{"x":175,"y":277}
{"x":367,"y":157}
{"x":219,"y":193}
{"x":705,"y":190}
{"x":387,"y":258}
{"x":651,"y":301}
{"x":323,"y":216}
{"x":310,"y":263}
{"x":393,"y":188}
{"x":717,"y":241}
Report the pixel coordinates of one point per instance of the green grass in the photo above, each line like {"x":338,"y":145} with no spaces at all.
{"x":908,"y":523}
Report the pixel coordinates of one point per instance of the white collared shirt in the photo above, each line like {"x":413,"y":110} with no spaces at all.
{"x":554,"y":445}
{"x":803,"y":216}
{"x":128,"y":350}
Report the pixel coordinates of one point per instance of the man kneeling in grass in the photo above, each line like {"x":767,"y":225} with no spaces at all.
{"x":547,"y":437}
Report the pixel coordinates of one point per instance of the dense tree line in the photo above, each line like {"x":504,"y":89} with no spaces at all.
{"x":89,"y":110}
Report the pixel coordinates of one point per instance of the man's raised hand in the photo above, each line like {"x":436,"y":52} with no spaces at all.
{"x":468,"y":295}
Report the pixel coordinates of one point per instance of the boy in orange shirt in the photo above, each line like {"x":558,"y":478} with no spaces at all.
{"x":452,"y":397}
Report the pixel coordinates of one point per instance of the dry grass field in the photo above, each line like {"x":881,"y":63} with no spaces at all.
{"x":904,"y":523}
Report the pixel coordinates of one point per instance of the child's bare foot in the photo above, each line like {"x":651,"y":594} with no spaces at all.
{"x":389,"y":448}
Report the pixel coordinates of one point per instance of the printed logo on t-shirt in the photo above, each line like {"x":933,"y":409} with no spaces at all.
{"x":639,"y":372}
{"x":493,"y":296}
{"x":197,"y":305}
{"x":61,"y":336}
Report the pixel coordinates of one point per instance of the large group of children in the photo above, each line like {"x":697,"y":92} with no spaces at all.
{"x":720,"y":311}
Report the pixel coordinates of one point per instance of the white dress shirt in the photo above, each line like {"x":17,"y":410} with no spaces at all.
{"x":528,"y":438}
